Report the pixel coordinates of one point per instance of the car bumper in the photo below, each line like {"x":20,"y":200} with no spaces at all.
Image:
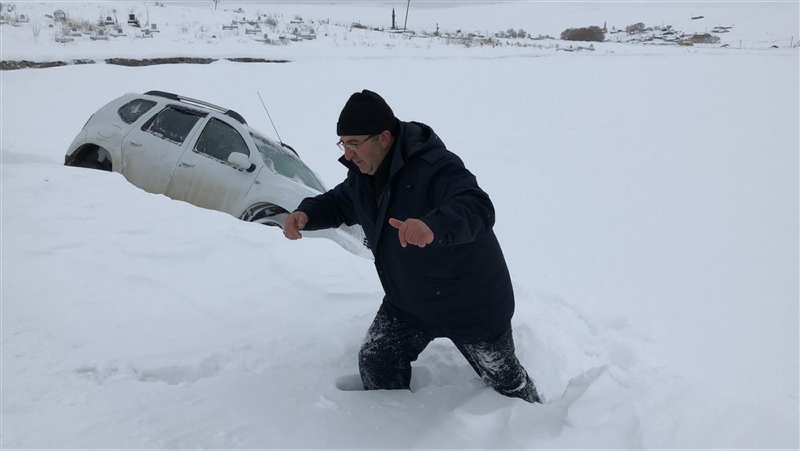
{"x":351,"y":238}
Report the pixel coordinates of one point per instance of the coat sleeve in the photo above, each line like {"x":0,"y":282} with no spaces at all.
{"x":462,"y":211}
{"x":331,"y":209}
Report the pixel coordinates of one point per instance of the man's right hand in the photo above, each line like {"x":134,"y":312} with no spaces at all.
{"x":293,"y":224}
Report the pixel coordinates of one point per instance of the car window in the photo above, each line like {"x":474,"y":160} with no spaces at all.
{"x":134,"y":109}
{"x":173,"y":124}
{"x":219,"y":140}
{"x":285,"y":163}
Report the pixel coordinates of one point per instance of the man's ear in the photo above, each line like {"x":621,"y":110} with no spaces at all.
{"x":385,"y":138}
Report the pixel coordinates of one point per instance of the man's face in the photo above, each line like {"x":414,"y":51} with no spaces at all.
{"x":366,"y":151}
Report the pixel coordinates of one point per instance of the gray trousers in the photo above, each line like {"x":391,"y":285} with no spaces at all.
{"x":391,"y":344}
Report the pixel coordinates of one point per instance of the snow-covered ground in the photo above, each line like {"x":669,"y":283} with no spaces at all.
{"x":195,"y":29}
{"x":647,"y":203}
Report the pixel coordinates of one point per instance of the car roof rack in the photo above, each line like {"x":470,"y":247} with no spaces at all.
{"x":180,"y":98}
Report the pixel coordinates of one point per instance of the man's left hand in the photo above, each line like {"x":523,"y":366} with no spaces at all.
{"x":412,"y":231}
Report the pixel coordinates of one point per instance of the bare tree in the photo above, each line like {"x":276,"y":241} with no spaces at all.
{"x":636,"y":28}
{"x":36,"y":28}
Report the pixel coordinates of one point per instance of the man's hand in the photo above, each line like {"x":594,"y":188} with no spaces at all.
{"x":294,"y":223}
{"x":412,"y":231}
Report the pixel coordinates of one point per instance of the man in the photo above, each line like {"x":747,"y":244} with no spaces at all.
{"x":429,"y":226}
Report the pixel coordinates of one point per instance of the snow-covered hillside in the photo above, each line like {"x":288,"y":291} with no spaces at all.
{"x":647,"y":204}
{"x":363,"y":29}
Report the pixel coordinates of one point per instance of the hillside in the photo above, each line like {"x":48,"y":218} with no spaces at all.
{"x":287,"y":31}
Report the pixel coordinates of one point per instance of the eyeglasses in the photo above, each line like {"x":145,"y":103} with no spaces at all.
{"x":352,"y":146}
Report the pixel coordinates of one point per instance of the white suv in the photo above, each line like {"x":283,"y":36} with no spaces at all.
{"x":203,"y":154}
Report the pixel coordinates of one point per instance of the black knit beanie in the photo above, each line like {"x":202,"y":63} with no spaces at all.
{"x":365,"y":113}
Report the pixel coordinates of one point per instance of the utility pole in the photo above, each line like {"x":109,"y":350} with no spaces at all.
{"x":406,"y":21}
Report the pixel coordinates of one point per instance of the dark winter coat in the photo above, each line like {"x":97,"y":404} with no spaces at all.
{"x":456,"y":287}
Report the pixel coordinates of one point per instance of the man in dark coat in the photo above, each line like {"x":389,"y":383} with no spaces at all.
{"x":429,"y":226}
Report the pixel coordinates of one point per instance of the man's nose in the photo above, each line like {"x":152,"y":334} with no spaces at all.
{"x":349,"y":154}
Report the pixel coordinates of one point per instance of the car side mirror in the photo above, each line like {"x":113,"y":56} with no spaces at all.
{"x":241,"y":161}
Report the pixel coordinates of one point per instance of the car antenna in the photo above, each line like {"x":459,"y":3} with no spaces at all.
{"x":270,"y":118}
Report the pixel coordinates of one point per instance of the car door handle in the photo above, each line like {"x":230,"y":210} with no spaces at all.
{"x":187,"y":165}
{"x":135,"y":144}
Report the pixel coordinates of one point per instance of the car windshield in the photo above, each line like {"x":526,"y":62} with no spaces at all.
{"x":284,"y":162}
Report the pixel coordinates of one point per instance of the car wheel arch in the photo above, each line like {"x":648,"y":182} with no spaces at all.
{"x":91,"y":156}
{"x":265,"y":213}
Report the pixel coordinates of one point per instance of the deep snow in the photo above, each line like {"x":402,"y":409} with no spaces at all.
{"x":647,"y":202}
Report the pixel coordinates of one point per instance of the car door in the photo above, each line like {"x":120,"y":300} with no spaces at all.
{"x":204,"y":177}
{"x":151,"y":152}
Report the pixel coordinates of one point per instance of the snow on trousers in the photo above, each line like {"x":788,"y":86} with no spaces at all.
{"x":391,"y":344}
